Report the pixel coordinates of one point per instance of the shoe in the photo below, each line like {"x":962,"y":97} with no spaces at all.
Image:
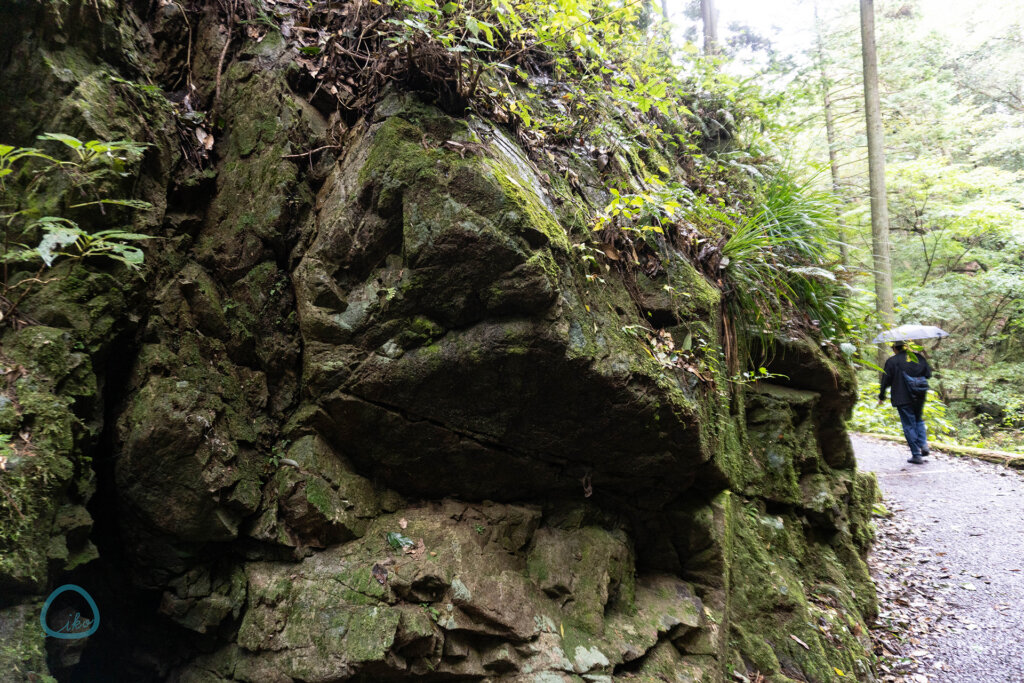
{"x":925,"y":452}
{"x":917,"y":460}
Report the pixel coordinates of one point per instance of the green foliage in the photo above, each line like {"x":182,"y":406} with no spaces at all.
{"x":689,"y":354}
{"x":868,"y":416}
{"x":16,"y":515}
{"x":955,"y":156}
{"x":779,"y":258}
{"x":63,"y":238}
{"x":278,"y":452}
{"x":9,"y":156}
{"x":113,"y":154}
{"x":398,"y":541}
{"x":652,"y":210}
{"x":593,"y":47}
{"x":33,"y":183}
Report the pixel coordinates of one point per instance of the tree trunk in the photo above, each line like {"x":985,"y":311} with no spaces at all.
{"x":830,"y":134}
{"x":876,"y":172}
{"x":709,"y":15}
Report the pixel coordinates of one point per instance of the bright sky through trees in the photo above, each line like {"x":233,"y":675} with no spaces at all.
{"x":790,"y":22}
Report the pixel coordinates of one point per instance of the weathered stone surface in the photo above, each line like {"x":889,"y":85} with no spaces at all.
{"x":451,"y":599}
{"x":200,"y":600}
{"x":313,"y":499}
{"x":665,"y":663}
{"x":665,"y":606}
{"x":441,"y":317}
{"x":781,"y":442}
{"x":585,"y":570}
{"x":802,"y":364}
{"x":780,"y":583}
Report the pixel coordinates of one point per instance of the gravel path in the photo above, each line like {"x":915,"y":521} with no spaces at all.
{"x":949,"y":565}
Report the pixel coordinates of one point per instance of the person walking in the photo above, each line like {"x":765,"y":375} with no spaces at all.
{"x":909,"y":405}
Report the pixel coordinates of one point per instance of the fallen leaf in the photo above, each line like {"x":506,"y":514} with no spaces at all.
{"x":417,"y":550}
{"x":398,"y":541}
{"x":611,"y":252}
{"x":205,"y":139}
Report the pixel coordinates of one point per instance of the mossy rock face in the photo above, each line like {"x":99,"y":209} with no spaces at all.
{"x":452,"y":341}
{"x":51,"y":400}
{"x":781,"y":443}
{"x":333,"y":364}
{"x":801,"y":363}
{"x":864,"y":493}
{"x":314,"y":501}
{"x":781,"y":584}
{"x":666,"y":663}
{"x":21,"y":648}
{"x":53,"y":408}
{"x":178,"y":445}
{"x":589,"y":565}
{"x":218,"y":371}
{"x":52,"y":417}
{"x":200,"y":600}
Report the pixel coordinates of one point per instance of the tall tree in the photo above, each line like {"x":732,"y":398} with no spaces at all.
{"x":881,"y":256}
{"x":709,"y":15}
{"x":830,"y":131}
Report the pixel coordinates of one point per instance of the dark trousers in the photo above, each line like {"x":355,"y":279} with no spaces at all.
{"x":913,"y":427}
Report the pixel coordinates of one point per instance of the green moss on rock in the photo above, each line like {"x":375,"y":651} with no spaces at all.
{"x":22,"y":651}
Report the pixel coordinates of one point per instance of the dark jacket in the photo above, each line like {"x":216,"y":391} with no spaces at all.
{"x":893,"y":377}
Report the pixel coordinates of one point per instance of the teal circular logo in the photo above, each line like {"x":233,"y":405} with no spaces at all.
{"x":76,"y":627}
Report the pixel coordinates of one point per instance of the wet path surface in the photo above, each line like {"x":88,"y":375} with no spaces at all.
{"x":949,"y":565}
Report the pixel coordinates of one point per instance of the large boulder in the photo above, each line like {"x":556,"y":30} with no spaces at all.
{"x":453,"y":346}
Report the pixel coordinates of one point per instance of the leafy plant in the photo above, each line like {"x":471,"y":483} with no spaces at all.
{"x":15,"y":512}
{"x":778,"y":259}
{"x":868,"y":416}
{"x":398,"y":541}
{"x":687,"y":356}
{"x":32,"y":239}
{"x":116,"y":154}
{"x":601,"y":55}
{"x":773,"y":257}
{"x":652,"y":210}
{"x":278,"y":452}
